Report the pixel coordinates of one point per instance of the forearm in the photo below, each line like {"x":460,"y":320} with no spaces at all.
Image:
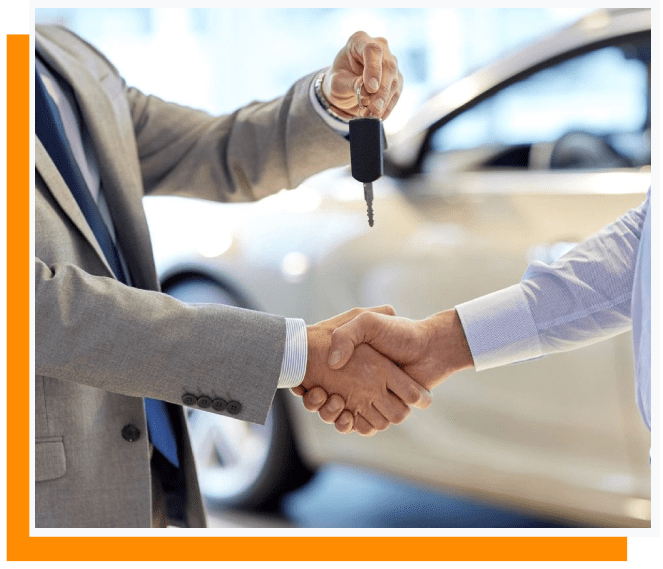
{"x":99,"y":332}
{"x":582,"y":298}
{"x":448,"y":341}
{"x":254,"y":152}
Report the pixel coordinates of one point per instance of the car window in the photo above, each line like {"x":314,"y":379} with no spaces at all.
{"x":601,"y":97}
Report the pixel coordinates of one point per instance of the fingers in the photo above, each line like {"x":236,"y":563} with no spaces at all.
{"x":314,"y":398}
{"x":409,"y":391}
{"x":392,"y":408}
{"x":345,"y":422}
{"x":332,"y":409}
{"x":393,"y":95}
{"x":363,"y":427}
{"x":368,"y":62}
{"x":298,"y":391}
{"x":384,"y":309}
{"x":375,"y":418}
{"x":383,"y":81}
{"x":371,"y":53}
{"x":401,"y":392}
{"x":380,"y":63}
{"x":363,"y":328}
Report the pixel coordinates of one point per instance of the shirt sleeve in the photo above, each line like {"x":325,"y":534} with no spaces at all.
{"x":295,"y":355}
{"x":584,"y":297}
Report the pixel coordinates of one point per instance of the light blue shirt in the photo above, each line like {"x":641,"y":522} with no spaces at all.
{"x":600,"y":288}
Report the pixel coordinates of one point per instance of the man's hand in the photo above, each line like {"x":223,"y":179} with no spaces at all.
{"x":367,"y":61}
{"x":369,"y":393}
{"x":428,"y":350}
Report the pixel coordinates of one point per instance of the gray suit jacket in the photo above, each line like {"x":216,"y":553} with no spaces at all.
{"x":100,"y":346}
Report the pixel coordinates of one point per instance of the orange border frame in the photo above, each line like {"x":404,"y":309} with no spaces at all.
{"x":22,"y":547}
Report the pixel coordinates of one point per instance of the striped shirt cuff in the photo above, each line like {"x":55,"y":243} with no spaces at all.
{"x":295,"y":355}
{"x":499,"y":328}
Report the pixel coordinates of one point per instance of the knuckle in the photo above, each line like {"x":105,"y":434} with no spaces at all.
{"x":374,"y":48}
{"x":353,"y":312}
{"x":389,"y":66}
{"x":361,"y":318}
{"x":309,"y":406}
{"x":383,"y":92}
{"x":335,"y":404}
{"x":387,"y":309}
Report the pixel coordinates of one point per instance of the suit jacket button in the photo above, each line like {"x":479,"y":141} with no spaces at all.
{"x":204,"y":402}
{"x":219,"y":404}
{"x":189,"y":399}
{"x":234,"y":407}
{"x":130,"y":433}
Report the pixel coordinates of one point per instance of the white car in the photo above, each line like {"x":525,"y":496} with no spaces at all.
{"x":515,"y":162}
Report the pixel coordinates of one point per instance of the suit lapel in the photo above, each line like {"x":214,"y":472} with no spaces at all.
{"x":58,"y":187}
{"x":114,"y":145}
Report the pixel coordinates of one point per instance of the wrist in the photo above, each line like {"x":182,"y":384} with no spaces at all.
{"x":320,"y":86}
{"x":448,"y":341}
{"x":317,"y":339}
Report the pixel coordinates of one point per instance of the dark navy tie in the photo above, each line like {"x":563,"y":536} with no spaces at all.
{"x":50,"y":131}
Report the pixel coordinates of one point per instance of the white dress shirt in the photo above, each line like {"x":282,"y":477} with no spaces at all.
{"x":599,"y":289}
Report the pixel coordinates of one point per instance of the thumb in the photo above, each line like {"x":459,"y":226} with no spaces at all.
{"x":345,"y":338}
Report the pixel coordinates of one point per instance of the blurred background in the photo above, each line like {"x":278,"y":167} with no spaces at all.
{"x":517,"y":165}
{"x":227,"y":57}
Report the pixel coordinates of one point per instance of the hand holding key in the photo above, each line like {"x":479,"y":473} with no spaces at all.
{"x":368,"y":64}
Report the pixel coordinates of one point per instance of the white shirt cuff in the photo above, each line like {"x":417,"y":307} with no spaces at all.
{"x":295,"y":355}
{"x":341,"y":128}
{"x":499,"y":328}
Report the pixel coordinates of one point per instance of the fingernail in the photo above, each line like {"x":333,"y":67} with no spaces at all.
{"x":374,"y":84}
{"x":425,"y":400}
{"x":335,"y":357}
{"x":333,"y":406}
{"x":379,"y":104}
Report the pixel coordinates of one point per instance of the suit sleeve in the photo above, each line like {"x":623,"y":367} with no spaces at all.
{"x":96,"y":331}
{"x":247,"y":155}
{"x":251,"y":153}
{"x":584,"y":297}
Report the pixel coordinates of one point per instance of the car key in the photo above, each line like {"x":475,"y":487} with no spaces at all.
{"x":367,"y":155}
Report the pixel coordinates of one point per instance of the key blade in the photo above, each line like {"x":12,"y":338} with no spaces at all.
{"x":368,"y":196}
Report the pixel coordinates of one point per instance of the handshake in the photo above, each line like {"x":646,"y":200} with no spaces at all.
{"x":366,"y":367}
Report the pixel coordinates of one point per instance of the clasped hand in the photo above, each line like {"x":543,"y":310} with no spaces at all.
{"x":368,"y":393}
{"x":366,"y":367}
